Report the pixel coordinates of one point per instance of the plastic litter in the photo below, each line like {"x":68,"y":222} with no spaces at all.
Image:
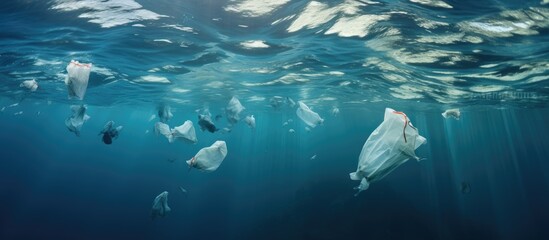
{"x":164,"y":113}
{"x":185,"y":132}
{"x":391,"y":144}
{"x":184,"y":191}
{"x":335,"y":111}
{"x":250,"y":121}
{"x":454,"y":113}
{"x":209,"y":158}
{"x":312,"y":119}
{"x":205,"y":123}
{"x":233,"y":110}
{"x":160,"y":206}
{"x":77,"y":119}
{"x":291,"y":130}
{"x":109,"y":132}
{"x":276,"y":102}
{"x":32,"y":85}
{"x":77,"y":79}
{"x":465,"y":188}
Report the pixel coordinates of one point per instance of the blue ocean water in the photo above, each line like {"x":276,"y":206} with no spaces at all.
{"x":484,"y":176}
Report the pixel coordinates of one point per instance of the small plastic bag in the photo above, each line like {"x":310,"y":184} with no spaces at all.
{"x":454,"y":113}
{"x":308,"y":116}
{"x":391,"y":144}
{"x":31,"y":85}
{"x":77,"y":119}
{"x":250,"y":121}
{"x":77,"y":78}
{"x":185,"y":132}
{"x":209,"y":158}
{"x":233,"y":110}
{"x":160,"y":206}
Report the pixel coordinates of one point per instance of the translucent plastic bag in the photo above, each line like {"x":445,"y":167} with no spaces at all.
{"x":109,"y":132}
{"x":160,"y":205}
{"x":391,"y":144}
{"x":233,"y":110}
{"x":250,"y":121}
{"x":76,"y":120}
{"x":209,"y":158}
{"x":32,"y":85}
{"x":453,"y":113}
{"x":185,"y":132}
{"x":77,"y":78}
{"x":308,"y":116}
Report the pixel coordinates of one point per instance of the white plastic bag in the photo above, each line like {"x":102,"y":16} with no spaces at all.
{"x":209,"y":158}
{"x":308,"y":116}
{"x":250,"y":121}
{"x":185,"y":132}
{"x":77,"y":78}
{"x":164,"y":113}
{"x":160,"y":205}
{"x":391,"y":144}
{"x":233,"y":110}
{"x":76,"y":120}
{"x":32,"y":85}
{"x":454,"y":113}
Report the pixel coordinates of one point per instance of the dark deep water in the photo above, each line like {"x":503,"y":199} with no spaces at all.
{"x":56,"y":185}
{"x":485,"y":176}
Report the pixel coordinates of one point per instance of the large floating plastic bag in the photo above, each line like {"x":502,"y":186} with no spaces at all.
{"x":250,"y":121}
{"x":77,"y":79}
{"x":454,"y":113}
{"x":76,"y":120}
{"x":308,"y":116}
{"x":209,"y":158}
{"x":110,"y":132}
{"x":233,"y":110}
{"x":164,"y":129}
{"x":185,"y":132}
{"x":160,"y":205}
{"x":31,"y":85}
{"x":391,"y":144}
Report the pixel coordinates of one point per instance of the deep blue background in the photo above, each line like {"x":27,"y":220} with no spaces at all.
{"x":56,"y":185}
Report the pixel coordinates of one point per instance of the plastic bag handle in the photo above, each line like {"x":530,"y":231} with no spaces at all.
{"x":81,"y":64}
{"x":406,"y":121}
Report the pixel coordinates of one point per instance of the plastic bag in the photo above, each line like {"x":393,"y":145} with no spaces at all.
{"x":454,"y":113}
{"x":209,"y":158}
{"x":76,"y":120}
{"x":32,"y":85}
{"x":160,"y":205}
{"x":77,"y":79}
{"x":308,"y":116}
{"x":109,"y":132}
{"x":391,"y":144}
{"x":185,"y":132}
{"x":205,"y":123}
{"x":233,"y":110}
{"x":250,"y":121}
{"x":164,"y":113}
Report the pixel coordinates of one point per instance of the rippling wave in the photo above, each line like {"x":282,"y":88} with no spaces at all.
{"x":325,"y":52}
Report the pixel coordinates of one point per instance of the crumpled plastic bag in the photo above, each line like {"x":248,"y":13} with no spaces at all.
{"x":454,"y":113}
{"x":209,"y":158}
{"x":110,"y":132}
{"x":205,"y":123}
{"x":76,"y":120}
{"x":391,"y":144}
{"x":308,"y":116}
{"x":250,"y":121}
{"x":164,"y":113}
{"x":77,"y":78}
{"x":233,"y":110}
{"x":185,"y":132}
{"x":32,"y":85}
{"x":160,"y":205}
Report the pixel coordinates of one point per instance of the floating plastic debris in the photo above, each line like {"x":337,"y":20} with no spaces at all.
{"x":209,"y":158}
{"x":454,"y":113}
{"x":160,"y":206}
{"x":77,"y":79}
